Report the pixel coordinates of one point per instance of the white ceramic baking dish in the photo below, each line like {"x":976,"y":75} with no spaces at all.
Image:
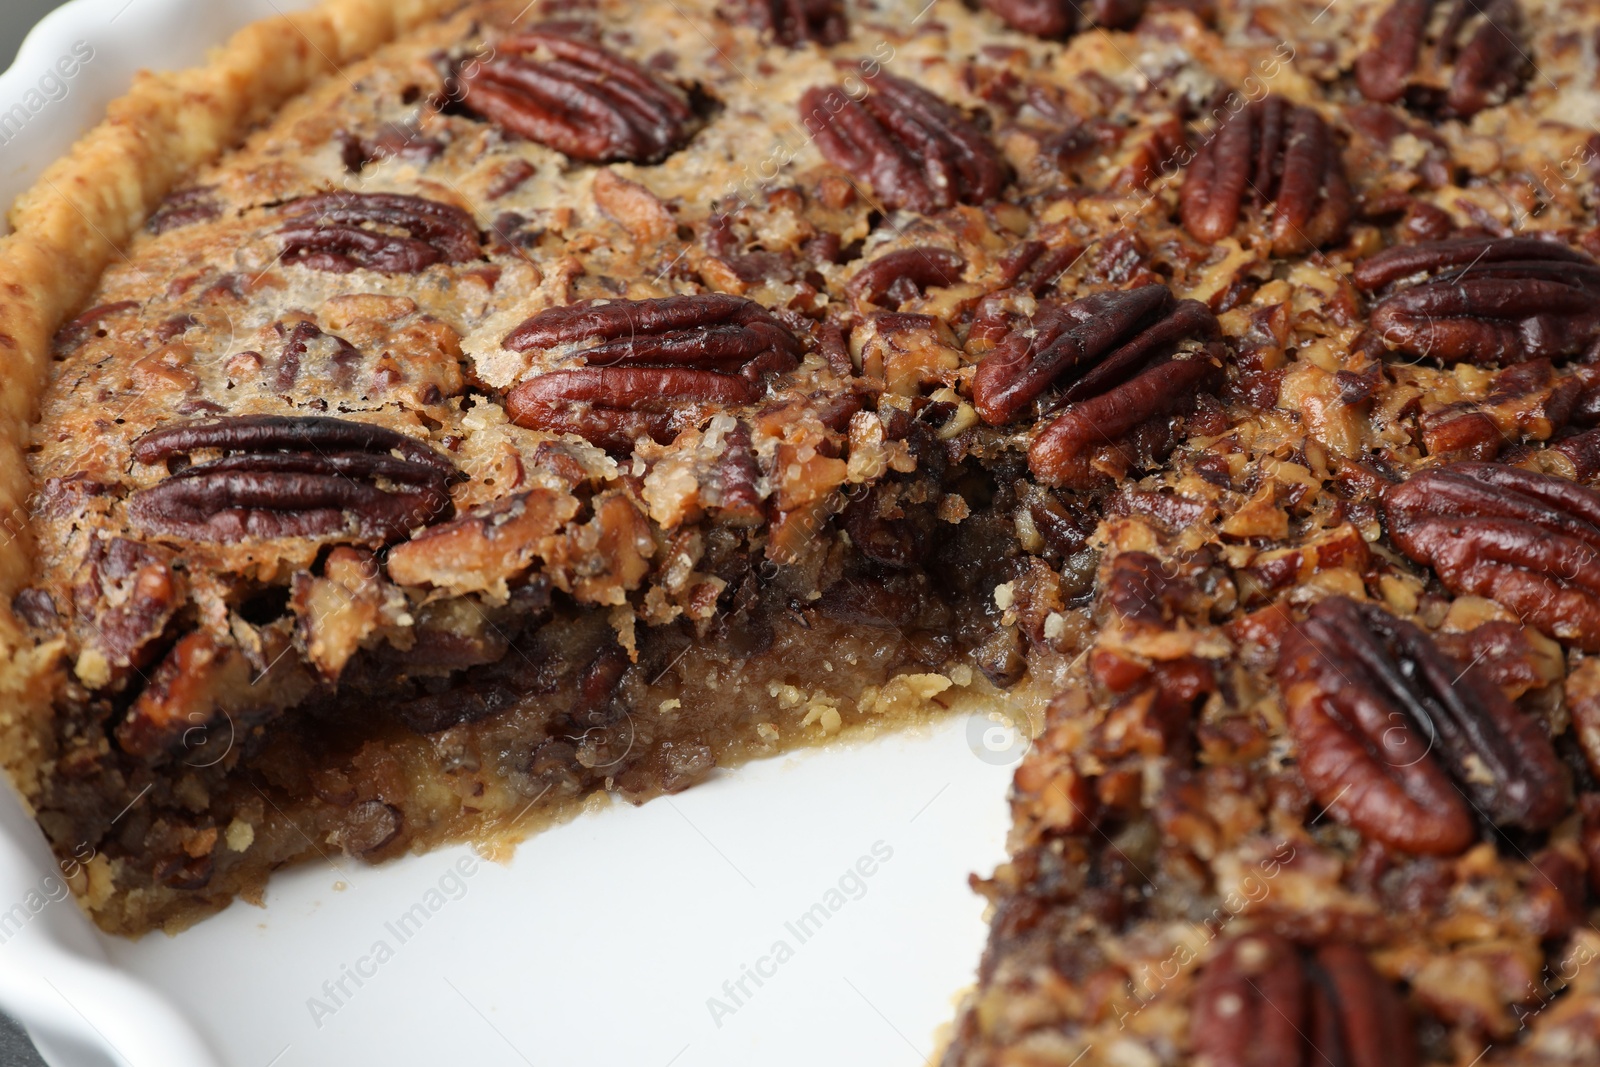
{"x":807,"y":910}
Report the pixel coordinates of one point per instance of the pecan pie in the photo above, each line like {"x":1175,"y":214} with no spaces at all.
{"x":564,"y":400}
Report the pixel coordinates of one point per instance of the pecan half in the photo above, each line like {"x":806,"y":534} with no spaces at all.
{"x":1530,"y":541}
{"x":582,"y":100}
{"x":1400,"y":742}
{"x":291,"y":476}
{"x":1482,"y":40}
{"x":1060,"y":18}
{"x":1272,"y":152}
{"x":650,"y":367}
{"x":1485,"y":300}
{"x":916,"y":151}
{"x":389,"y":232}
{"x":1118,"y":359}
{"x":1262,"y":1000}
{"x":795,"y":22}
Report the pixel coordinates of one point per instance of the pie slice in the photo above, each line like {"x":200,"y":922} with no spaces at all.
{"x":430,"y":420}
{"x":476,"y":440}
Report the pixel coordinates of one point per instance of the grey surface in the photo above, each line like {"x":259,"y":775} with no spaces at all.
{"x":15,"y":1048}
{"x":16,"y":19}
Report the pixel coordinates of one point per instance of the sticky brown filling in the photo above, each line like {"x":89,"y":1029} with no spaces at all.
{"x":488,"y":715}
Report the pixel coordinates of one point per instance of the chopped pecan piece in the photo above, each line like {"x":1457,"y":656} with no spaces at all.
{"x":129,"y":593}
{"x":910,"y":353}
{"x":1272,"y":152}
{"x":795,"y":22}
{"x":367,"y":827}
{"x":199,"y":685}
{"x":341,"y":232}
{"x":650,"y":368}
{"x":916,"y":151}
{"x":900,"y":276}
{"x":484,"y":549}
{"x":731,"y":486}
{"x":1401,"y":743}
{"x":1581,"y":452}
{"x":291,"y":476}
{"x":91,"y":323}
{"x":36,"y":607}
{"x":1120,"y":358}
{"x":585,"y":102}
{"x":1527,"y":540}
{"x":394,"y":140}
{"x":1035,"y":266}
{"x":1059,"y":18}
{"x":1261,"y":1000}
{"x":344,"y":609}
{"x":1143,"y":593}
{"x":1485,"y":300}
{"x":1486,"y":51}
{"x":183,"y":208}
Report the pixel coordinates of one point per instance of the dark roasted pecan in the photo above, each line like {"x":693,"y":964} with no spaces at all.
{"x":1035,"y":266}
{"x":580,"y":99}
{"x":485,"y":548}
{"x":291,"y":476}
{"x":1582,"y":451}
{"x":1486,"y":300}
{"x":199,"y":695}
{"x":794,"y":22}
{"x":393,"y":140}
{"x":916,"y":151}
{"x":35,"y":607}
{"x":900,"y":276}
{"x":1118,"y":360}
{"x":1261,"y":1000}
{"x":130,"y":592}
{"x":1374,"y":130}
{"x":1480,"y":37}
{"x":1058,"y":18}
{"x":731,"y":486}
{"x":183,"y":208}
{"x":91,"y":323}
{"x":306,"y":339}
{"x":1400,"y":742}
{"x":1271,"y":152}
{"x":650,"y":367}
{"x":367,"y":827}
{"x":1525,"y":401}
{"x":1250,"y":1004}
{"x":343,"y":231}
{"x":1530,"y":541}
{"x":888,"y":530}
{"x":1144,"y":593}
